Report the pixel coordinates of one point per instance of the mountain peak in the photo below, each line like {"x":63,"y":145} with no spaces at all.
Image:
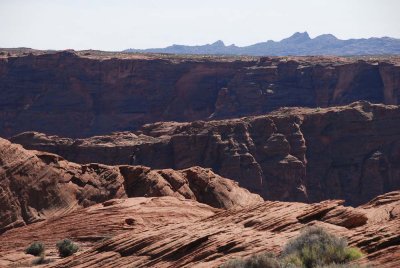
{"x":218,"y":43}
{"x":298,"y":37}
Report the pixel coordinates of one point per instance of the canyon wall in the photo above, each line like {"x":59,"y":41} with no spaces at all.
{"x":74,"y":95}
{"x":293,"y":154}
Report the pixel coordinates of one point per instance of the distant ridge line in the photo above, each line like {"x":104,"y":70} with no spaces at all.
{"x":299,"y":44}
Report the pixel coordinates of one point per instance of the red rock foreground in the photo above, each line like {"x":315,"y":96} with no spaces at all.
{"x":374,"y":227}
{"x":46,"y":198}
{"x":35,"y":186}
{"x":171,"y":232}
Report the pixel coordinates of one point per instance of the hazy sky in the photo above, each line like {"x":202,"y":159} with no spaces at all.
{"x":121,"y":24}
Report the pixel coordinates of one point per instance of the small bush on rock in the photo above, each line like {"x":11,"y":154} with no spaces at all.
{"x":35,"y":249}
{"x":313,"y":248}
{"x":316,"y":247}
{"x":66,"y":248}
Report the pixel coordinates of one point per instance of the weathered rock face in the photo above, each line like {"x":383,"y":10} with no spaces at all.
{"x":350,"y":152}
{"x":390,"y":74}
{"x":75,"y":95}
{"x":36,"y":185}
{"x":168,"y":232}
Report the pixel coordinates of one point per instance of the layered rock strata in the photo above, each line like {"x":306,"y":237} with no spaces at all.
{"x":349,"y":152}
{"x":82,"y":94}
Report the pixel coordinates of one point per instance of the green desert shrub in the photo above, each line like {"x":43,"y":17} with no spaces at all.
{"x":66,"y":248}
{"x":263,"y":260}
{"x":313,"y":248}
{"x":316,"y":247}
{"x":353,"y":254}
{"x":35,"y":249}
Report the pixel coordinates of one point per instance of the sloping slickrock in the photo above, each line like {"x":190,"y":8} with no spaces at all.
{"x":99,"y":222}
{"x":227,"y":234}
{"x":298,"y":154}
{"x":36,"y":185}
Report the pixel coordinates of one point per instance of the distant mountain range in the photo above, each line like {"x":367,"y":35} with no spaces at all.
{"x":299,"y":44}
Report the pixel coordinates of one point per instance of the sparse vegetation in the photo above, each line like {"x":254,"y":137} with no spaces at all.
{"x":264,"y":260}
{"x":66,"y":248}
{"x":316,"y":247}
{"x":313,"y":248}
{"x":35,"y":249}
{"x":353,"y":253}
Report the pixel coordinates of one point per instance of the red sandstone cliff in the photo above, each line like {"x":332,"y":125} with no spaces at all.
{"x":349,"y":152}
{"x":76,"y":95}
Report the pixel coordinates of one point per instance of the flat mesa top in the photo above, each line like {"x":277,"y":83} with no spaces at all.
{"x":107,"y":55}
